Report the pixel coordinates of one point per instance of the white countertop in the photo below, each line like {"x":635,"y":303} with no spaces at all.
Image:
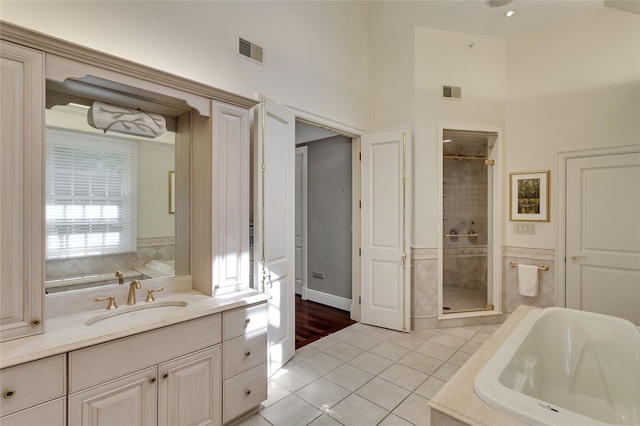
{"x":458,"y":400}
{"x":69,"y":332}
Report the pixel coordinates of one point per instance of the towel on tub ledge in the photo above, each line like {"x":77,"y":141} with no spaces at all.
{"x":528,"y":280}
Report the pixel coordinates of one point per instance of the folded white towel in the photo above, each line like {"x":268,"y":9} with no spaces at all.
{"x":528,"y":280}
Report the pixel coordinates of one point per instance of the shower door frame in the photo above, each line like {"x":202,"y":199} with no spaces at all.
{"x":494,"y":225}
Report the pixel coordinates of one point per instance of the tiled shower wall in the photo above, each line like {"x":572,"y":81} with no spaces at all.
{"x":148,"y":249}
{"x":424,"y":286}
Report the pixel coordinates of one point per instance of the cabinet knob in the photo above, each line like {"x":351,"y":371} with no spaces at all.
{"x":35,"y":322}
{"x":247,"y":353}
{"x":246,"y":322}
{"x":247,"y":392}
{"x":9,"y":394}
{"x":165,"y":375}
{"x":152,"y":380}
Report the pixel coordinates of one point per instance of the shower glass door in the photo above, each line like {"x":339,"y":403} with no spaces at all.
{"x":465,"y":221}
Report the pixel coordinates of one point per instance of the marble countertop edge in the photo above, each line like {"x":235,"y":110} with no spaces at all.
{"x":68,"y":333}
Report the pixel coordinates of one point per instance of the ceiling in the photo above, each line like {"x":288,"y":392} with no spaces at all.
{"x":476,"y":17}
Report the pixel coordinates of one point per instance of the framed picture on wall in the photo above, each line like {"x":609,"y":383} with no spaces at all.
{"x":529,"y":196}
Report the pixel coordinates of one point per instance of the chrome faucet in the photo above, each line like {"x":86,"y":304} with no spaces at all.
{"x":131,"y":299}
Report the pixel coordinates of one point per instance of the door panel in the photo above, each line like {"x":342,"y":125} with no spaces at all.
{"x":274,"y":241}
{"x":385,"y":286}
{"x":603,"y":235}
{"x":301,"y":221}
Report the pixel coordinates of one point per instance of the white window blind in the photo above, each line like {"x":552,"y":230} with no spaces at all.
{"x":91,"y":194}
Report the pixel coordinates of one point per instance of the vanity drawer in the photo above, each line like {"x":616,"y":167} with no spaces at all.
{"x":107,"y":361}
{"x":29,"y":384}
{"x":52,"y":413}
{"x":244,"y":352}
{"x":243,"y":392}
{"x":237,"y":322}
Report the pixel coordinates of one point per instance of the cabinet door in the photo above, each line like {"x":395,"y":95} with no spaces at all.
{"x":21,"y":198}
{"x":130,"y":400}
{"x":230,"y":209}
{"x":190,"y":391}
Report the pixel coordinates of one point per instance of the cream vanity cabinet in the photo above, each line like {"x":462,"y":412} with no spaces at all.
{"x":21,"y":198}
{"x":34,"y":393}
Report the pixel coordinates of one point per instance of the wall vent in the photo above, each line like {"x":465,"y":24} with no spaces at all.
{"x":249,"y":50}
{"x":451,"y":92}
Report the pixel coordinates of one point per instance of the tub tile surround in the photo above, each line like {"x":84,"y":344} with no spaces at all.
{"x":424,"y":286}
{"x":66,"y":316}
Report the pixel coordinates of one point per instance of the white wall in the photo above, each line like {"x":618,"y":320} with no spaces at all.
{"x":444,"y":58}
{"x":316,"y":55}
{"x":572,"y":86}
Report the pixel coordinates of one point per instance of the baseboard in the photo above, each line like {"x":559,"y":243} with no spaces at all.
{"x":329,"y":300}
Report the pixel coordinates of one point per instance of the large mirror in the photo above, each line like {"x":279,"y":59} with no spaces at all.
{"x":110,"y":201}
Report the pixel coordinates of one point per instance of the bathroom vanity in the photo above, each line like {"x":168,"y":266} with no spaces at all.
{"x":197,"y":354}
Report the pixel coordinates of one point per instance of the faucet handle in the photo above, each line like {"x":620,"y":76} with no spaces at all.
{"x":120,"y":277}
{"x":112,"y":302}
{"x":150,"y":292}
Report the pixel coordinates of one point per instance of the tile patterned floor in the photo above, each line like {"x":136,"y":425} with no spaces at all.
{"x":365,"y":375}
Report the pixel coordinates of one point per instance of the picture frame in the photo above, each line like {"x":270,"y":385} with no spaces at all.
{"x":529,"y":196}
{"x":172,"y":192}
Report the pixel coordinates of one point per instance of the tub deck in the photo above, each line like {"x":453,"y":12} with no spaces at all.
{"x":457,"y":403}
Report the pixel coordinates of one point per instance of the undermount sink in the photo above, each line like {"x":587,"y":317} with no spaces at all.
{"x":151,"y":311}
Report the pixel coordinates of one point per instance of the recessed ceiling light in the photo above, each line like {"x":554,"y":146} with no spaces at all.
{"x":509,"y":13}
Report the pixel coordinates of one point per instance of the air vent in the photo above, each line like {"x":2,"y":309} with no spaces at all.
{"x":249,"y":50}
{"x":451,"y":92}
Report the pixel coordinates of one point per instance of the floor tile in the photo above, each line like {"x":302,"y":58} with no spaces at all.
{"x":470,"y":347}
{"x":382,"y":393}
{"x":293,"y":377}
{"x":371,"y":363}
{"x":325,"y":420}
{"x":349,"y":377}
{"x":425,"y":334}
{"x":436,"y":350}
{"x":393,"y":420}
{"x":358,"y":327}
{"x":489,"y":329}
{"x":446,"y":371}
{"x":357,"y":411}
{"x":462,"y":332}
{"x":448,"y":340}
{"x":275,"y":392}
{"x":321,"y":363}
{"x":324,"y":343}
{"x":305,"y":351}
{"x":344,"y":335}
{"x":459,"y":358}
{"x":480,"y":337}
{"x":343,"y":351}
{"x":415,"y":410}
{"x":389,"y":351}
{"x":430,"y":387}
{"x":406,"y":340}
{"x":255,"y":420}
{"x":291,"y":411}
{"x":379,"y":333}
{"x":405,"y":377}
{"x":363,"y":341}
{"x":322,"y":393}
{"x":421,"y":362}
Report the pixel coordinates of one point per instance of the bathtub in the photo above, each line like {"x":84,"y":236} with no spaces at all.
{"x":566,"y":367}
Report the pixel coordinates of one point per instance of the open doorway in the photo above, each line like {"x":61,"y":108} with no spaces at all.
{"x":323,"y":234}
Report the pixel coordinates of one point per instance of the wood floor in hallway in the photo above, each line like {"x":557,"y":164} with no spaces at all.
{"x":314,"y":321}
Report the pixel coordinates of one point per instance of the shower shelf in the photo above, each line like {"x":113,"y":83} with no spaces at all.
{"x":462,"y":235}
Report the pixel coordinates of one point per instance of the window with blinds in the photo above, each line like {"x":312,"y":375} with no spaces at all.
{"x":91,"y":194}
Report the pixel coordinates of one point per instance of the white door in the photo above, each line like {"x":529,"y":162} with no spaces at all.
{"x":301,"y":221}
{"x":386,"y":230}
{"x":603,"y":235}
{"x":274,"y":225}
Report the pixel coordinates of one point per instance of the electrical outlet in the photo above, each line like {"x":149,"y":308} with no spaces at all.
{"x":318,"y":274}
{"x":524,"y":228}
